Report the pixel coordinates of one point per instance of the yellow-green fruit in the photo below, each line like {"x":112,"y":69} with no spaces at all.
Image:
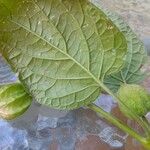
{"x":136,"y":98}
{"x":14,"y":101}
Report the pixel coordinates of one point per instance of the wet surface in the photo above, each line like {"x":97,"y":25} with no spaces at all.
{"x":80,"y":129}
{"x":69,"y":132}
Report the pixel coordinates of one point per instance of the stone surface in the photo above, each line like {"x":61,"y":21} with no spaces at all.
{"x":61,"y":133}
{"x":91,"y":142}
{"x":12,"y":138}
{"x":6,"y":75}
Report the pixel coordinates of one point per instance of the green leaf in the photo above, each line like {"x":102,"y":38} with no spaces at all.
{"x":61,"y":49}
{"x":136,"y":55}
{"x":14,"y":101}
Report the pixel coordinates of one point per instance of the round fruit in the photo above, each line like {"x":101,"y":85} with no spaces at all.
{"x":136,"y":98}
{"x":14,"y":101}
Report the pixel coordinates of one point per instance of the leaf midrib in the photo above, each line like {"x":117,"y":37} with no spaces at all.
{"x":100,"y":84}
{"x":79,"y":27}
{"x":12,"y":99}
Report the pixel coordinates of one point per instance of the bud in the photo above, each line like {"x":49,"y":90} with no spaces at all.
{"x":14,"y":101}
{"x":136,"y":98}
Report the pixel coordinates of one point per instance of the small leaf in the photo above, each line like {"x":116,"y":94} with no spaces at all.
{"x":62,"y":49}
{"x":136,"y":56}
{"x":14,"y":101}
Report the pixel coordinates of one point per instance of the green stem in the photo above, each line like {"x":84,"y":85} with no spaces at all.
{"x":120,"y":125}
{"x":138,"y":119}
{"x":147,"y":125}
{"x":146,"y":144}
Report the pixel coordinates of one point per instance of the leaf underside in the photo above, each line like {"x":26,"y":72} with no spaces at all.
{"x":61,"y":49}
{"x":136,"y":56}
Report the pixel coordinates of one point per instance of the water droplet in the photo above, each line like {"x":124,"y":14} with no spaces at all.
{"x":110,"y":27}
{"x":86,"y":25}
{"x":52,"y":17}
{"x":17,"y":74}
{"x":113,"y":51}
{"x":39,"y":22}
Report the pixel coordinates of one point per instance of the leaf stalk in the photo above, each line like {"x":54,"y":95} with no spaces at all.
{"x":144,"y":141}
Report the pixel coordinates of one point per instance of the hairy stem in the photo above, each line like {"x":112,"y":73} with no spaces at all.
{"x":147,"y":125}
{"x":146,"y":144}
{"x":142,"y":122}
{"x":116,"y":122}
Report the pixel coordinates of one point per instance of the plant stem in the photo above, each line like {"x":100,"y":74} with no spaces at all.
{"x":147,"y":125}
{"x":146,"y":144}
{"x":117,"y":123}
{"x":138,"y":119}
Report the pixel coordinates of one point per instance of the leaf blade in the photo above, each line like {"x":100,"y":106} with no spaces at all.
{"x":56,"y":55}
{"x":14,"y":101}
{"x":136,"y":56}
